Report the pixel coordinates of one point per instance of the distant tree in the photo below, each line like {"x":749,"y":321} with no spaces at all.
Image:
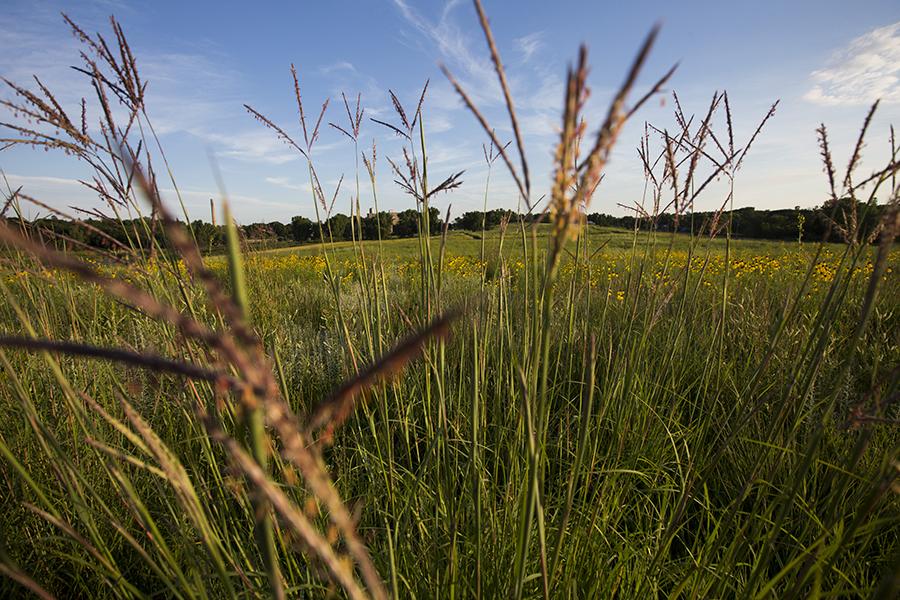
{"x":372,"y":224}
{"x":258,"y":231}
{"x":473,"y":219}
{"x":832,"y":221}
{"x":469,"y":221}
{"x":282,"y":231}
{"x":206,"y":234}
{"x":302,"y":229}
{"x":407,"y":223}
{"x":434,"y":220}
{"x":339,"y":225}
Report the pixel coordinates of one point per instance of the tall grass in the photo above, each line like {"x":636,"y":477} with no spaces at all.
{"x":666,"y":418}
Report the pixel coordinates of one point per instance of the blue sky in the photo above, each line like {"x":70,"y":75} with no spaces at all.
{"x":826,"y":61}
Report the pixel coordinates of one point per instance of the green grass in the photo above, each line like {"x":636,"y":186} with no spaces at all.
{"x":621,"y":241}
{"x":672,"y":463}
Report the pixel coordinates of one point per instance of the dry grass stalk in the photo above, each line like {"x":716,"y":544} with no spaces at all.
{"x":337,"y":567}
{"x":408,"y":124}
{"x":523,"y":191}
{"x":846,"y":200}
{"x":25,"y":581}
{"x":308,"y":139}
{"x":370,"y":163}
{"x":586,"y":178}
{"x":354,"y":119}
{"x":689,"y":147}
{"x":143,"y":360}
{"x":507,"y":97}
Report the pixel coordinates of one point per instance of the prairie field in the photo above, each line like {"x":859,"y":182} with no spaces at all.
{"x":545,"y":408}
{"x":676,"y":451}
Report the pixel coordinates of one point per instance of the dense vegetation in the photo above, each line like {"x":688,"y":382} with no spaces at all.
{"x":796,"y":224}
{"x":553,"y":409}
{"x":106,"y":233}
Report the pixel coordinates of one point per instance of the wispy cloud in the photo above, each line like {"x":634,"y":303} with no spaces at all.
{"x":190,"y":91}
{"x":288,"y":184}
{"x":39,"y":185}
{"x":866,"y":70}
{"x":257,"y":145}
{"x":455,"y":47}
{"x":24,"y":38}
{"x":530,"y":44}
{"x":60,"y":192}
{"x":28,"y":180}
{"x":199,"y":197}
{"x":341,"y":65}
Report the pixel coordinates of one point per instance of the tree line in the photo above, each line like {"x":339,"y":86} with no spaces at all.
{"x":803,"y":224}
{"x":828,"y":222}
{"x":108,"y":233}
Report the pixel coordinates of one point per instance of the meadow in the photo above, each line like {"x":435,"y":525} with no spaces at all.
{"x":537,"y":410}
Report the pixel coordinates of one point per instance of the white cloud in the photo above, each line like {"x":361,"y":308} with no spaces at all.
{"x":866,"y":70}
{"x":452,"y":156}
{"x":341,"y":65}
{"x":28,"y":180}
{"x":190,"y":92}
{"x":24,"y":39}
{"x":201,"y":198}
{"x":288,"y":184}
{"x":475,"y":71}
{"x":254,"y":145}
{"x":40,"y":185}
{"x":529,"y":44}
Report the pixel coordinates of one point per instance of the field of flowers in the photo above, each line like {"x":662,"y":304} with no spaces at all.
{"x":604,"y":267}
